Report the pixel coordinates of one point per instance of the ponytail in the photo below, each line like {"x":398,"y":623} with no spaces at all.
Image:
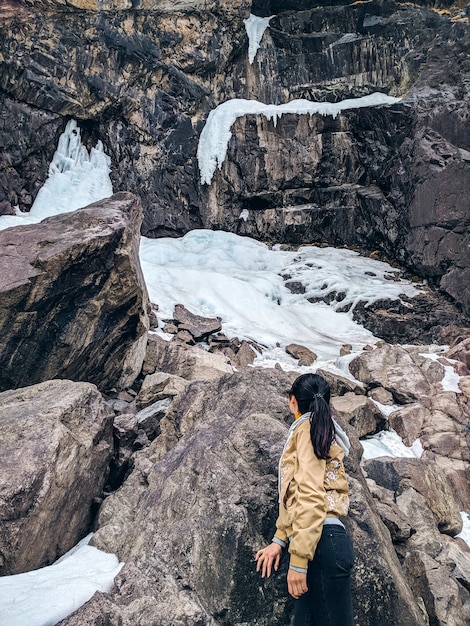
{"x":312,"y":393}
{"x":322,"y":430}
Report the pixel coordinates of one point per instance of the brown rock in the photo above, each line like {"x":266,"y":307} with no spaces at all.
{"x":409,"y":421}
{"x":399,"y":474}
{"x":340,"y":385}
{"x":381,"y":395}
{"x":199,"y":327}
{"x":244,"y":356}
{"x":392,"y":368}
{"x":189,"y":518}
{"x":73,"y":300}
{"x":359,"y":411}
{"x":185,"y":337}
{"x":301,"y":353}
{"x":159,"y":386}
{"x":461,"y":352}
{"x":56,"y":443}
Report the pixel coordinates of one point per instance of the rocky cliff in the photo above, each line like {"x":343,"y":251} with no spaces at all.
{"x":184,"y":489}
{"x":142,"y":76}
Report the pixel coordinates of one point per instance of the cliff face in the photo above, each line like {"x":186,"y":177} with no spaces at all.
{"x":142,"y":76}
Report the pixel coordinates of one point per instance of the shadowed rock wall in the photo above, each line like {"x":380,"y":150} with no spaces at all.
{"x":143,"y":75}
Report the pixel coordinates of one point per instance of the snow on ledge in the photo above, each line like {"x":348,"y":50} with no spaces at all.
{"x":465,"y":533}
{"x":216,"y":134}
{"x":389,"y":443}
{"x":255,"y":27}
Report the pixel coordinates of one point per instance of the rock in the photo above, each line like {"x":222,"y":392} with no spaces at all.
{"x":430,"y":571}
{"x":185,"y":337}
{"x":340,"y":385}
{"x":155,"y":353}
{"x":461,"y":352}
{"x":408,"y":421}
{"x":56,"y":443}
{"x":392,"y":368}
{"x":199,"y":327}
{"x":159,"y":386}
{"x":126,"y":431}
{"x":359,"y":411}
{"x":190,"y":363}
{"x":74,"y":304}
{"x":189,"y":518}
{"x":381,"y":395}
{"x":303,"y":355}
{"x":153,"y":320}
{"x":244,"y":356}
{"x":6,"y":208}
{"x":398,"y":474}
{"x":397,"y":523}
{"x":150,"y":417}
{"x":421,"y":319}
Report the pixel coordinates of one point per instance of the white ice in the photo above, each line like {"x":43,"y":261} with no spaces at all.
{"x":214,"y":273}
{"x":76,"y":179}
{"x":255,"y":27}
{"x":216,"y":134}
{"x":45,"y":596}
{"x":389,"y":443}
{"x":386,"y":409}
{"x":465,"y":532}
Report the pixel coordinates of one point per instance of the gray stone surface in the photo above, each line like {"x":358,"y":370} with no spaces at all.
{"x":73,"y":301}
{"x":55,"y":446}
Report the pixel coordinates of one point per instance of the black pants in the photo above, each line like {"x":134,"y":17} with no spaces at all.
{"x":328,"y":600}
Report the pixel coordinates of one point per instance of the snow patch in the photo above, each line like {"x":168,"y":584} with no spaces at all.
{"x":386,"y":409}
{"x":216,"y":134}
{"x":45,"y":596}
{"x":465,"y":533}
{"x":240,"y":280}
{"x":451,"y":379}
{"x":389,"y":443}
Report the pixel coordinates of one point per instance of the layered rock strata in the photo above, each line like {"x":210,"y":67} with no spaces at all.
{"x":143,"y":76}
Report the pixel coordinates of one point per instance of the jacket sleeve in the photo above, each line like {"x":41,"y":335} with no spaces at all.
{"x":311,"y":506}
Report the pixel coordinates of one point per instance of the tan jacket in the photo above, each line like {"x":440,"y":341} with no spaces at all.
{"x":310,"y":489}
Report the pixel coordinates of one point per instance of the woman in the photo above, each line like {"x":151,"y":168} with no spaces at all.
{"x":313,"y":494}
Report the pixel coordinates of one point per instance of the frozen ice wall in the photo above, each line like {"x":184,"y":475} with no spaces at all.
{"x":76,"y":179}
{"x":216,"y":134}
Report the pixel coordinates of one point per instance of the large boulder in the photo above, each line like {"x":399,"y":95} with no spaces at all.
{"x":203,"y":498}
{"x":73,"y":300}
{"x":55,"y":445}
{"x":179,"y":359}
{"x":393,"y":368}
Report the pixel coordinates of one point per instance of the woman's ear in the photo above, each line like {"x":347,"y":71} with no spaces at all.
{"x":293,"y":405}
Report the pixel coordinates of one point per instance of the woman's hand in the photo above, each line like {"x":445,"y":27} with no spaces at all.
{"x":267,"y":557}
{"x":296,"y":583}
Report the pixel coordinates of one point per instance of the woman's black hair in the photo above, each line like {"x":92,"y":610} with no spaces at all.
{"x":312,"y":393}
